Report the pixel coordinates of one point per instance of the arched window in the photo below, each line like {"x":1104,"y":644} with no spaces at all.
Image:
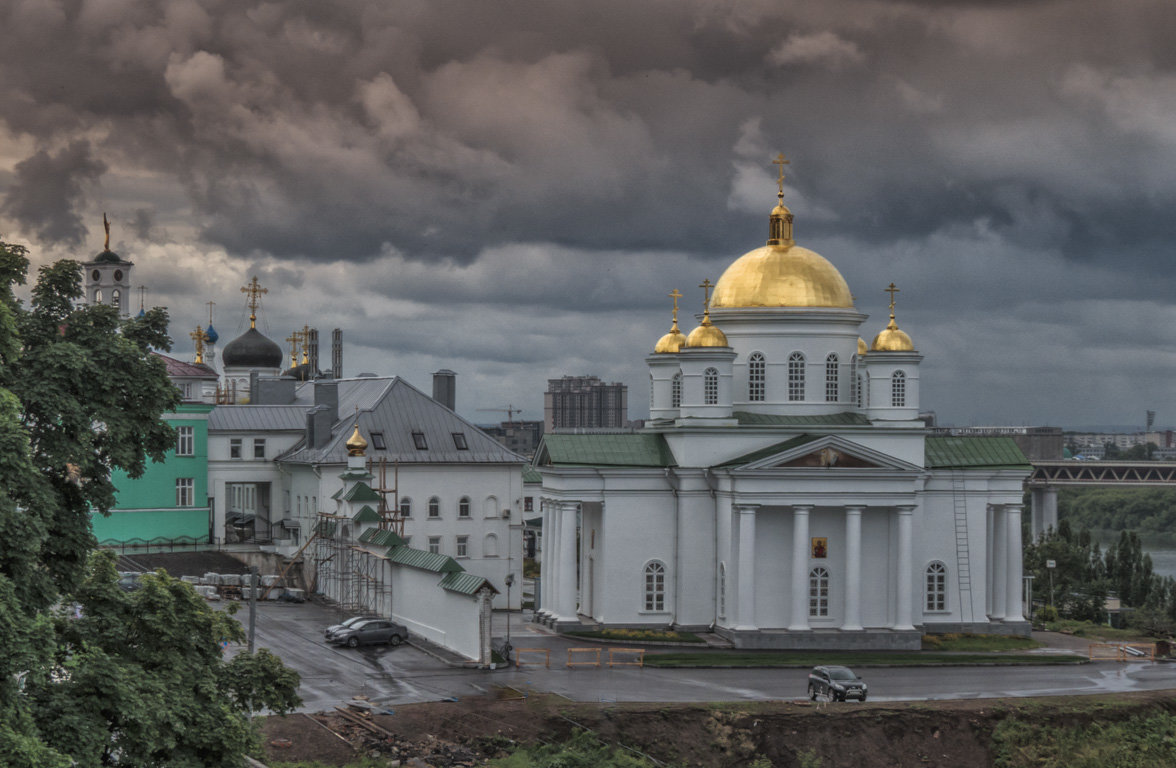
{"x":405,"y":507}
{"x":463,"y":507}
{"x":832,"y":384}
{"x":115,"y":295}
{"x":722,"y":590}
{"x":676,"y":391}
{"x":710,"y":386}
{"x":818,"y":592}
{"x":861,"y":391}
{"x":98,"y":296}
{"x":490,"y":546}
{"x":490,"y":507}
{"x":936,"y":587}
{"x":655,"y":587}
{"x":898,"y":390}
{"x":756,"y":376}
{"x":434,"y":507}
{"x":796,"y":376}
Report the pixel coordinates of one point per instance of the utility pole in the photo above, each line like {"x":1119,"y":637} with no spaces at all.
{"x":252,"y":605}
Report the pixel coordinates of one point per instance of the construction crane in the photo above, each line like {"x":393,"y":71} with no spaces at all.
{"x":509,"y":410}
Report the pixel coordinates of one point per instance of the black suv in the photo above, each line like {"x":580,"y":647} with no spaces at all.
{"x":838,"y":683}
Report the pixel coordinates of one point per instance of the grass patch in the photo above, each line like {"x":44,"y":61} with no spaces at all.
{"x":977,"y":643}
{"x":640,"y":636}
{"x":1144,"y":741}
{"x":1095,"y":631}
{"x":850,"y":658}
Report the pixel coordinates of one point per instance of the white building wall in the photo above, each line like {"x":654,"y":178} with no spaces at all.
{"x":446,"y":618}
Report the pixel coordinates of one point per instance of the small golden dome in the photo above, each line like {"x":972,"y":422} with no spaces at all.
{"x":671,"y":343}
{"x":892,"y":339}
{"x":862,"y":348}
{"x":356,"y":445}
{"x":707,"y":335}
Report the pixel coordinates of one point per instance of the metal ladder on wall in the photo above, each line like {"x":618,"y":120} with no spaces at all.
{"x":963,"y":555}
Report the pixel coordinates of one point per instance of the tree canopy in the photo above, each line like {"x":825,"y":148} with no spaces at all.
{"x":114,"y":678}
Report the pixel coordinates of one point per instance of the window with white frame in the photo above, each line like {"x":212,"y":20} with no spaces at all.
{"x":796,"y":376}
{"x":676,"y":390}
{"x":756,"y":375}
{"x":490,"y":545}
{"x":185,"y":441}
{"x":832,"y":378}
{"x":463,"y":546}
{"x":434,"y":507}
{"x":115,"y":297}
{"x":710,"y":386}
{"x":898,"y":390}
{"x":655,"y":587}
{"x":235,"y":448}
{"x":259,"y":447}
{"x":435,"y":545}
{"x":185,"y":492}
{"x":463,"y":507}
{"x":936,"y":587}
{"x":406,"y":507}
{"x":818,"y":593}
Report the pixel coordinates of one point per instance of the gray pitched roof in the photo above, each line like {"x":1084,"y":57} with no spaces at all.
{"x":395,"y":409}
{"x":257,"y":418}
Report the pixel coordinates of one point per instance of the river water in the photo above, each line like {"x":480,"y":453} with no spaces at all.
{"x":1163,"y":561}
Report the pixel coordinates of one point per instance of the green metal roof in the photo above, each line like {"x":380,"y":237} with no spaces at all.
{"x":366,"y":515}
{"x":426,"y":561}
{"x":764,"y":453}
{"x":465,"y":583}
{"x":386,"y":538}
{"x":361,"y":492}
{"x":967,"y":452}
{"x":531,"y":476}
{"x":367,"y":535}
{"x":827,"y":420}
{"x":629,"y":450}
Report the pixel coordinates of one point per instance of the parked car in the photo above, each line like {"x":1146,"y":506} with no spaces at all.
{"x":837,"y":683}
{"x":371,"y":632}
{"x":334,"y":629}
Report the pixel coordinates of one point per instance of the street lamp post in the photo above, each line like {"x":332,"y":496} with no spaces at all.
{"x":507,"y":648}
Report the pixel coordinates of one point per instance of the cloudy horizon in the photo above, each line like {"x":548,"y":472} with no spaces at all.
{"x":510,"y":190}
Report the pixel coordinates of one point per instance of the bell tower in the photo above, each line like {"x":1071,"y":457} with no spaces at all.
{"x":107,"y":278}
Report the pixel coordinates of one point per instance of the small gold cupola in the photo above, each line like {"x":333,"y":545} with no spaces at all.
{"x":780,"y":225}
{"x":198,"y":337}
{"x":707,"y":334}
{"x":673,"y":341}
{"x":863,"y":348}
{"x":356,"y":445}
{"x":892,"y":339}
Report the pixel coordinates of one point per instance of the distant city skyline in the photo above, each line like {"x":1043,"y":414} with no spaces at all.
{"x":511,"y":192}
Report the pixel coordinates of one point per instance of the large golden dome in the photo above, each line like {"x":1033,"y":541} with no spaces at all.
{"x":782,"y":276}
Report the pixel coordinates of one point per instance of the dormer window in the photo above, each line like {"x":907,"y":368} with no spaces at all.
{"x":459,"y":441}
{"x":418,"y":439}
{"x":378,"y":441}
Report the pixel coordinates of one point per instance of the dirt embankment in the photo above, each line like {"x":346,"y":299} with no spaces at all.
{"x":955,"y":734}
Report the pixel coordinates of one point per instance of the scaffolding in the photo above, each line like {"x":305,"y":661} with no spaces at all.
{"x":333,"y":560}
{"x":373,"y":592}
{"x":390,"y":517}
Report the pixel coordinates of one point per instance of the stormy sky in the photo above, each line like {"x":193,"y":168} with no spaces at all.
{"x":510,"y":189}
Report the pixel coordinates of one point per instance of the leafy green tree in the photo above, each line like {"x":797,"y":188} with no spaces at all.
{"x":79,"y":397}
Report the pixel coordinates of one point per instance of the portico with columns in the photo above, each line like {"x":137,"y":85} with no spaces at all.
{"x":784,"y":492}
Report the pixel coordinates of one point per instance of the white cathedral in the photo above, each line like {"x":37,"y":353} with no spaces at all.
{"x":784,"y":492}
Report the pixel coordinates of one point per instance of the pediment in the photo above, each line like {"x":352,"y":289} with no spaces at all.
{"x":828,"y":452}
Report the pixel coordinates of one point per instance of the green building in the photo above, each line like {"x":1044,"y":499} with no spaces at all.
{"x":169,"y":502}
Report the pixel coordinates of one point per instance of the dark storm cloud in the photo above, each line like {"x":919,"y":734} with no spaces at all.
{"x":49,"y":188}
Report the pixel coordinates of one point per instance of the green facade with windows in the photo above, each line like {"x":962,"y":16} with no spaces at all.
{"x":169,"y":502}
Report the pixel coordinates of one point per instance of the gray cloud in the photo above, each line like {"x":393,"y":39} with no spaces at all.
{"x":49,"y":188}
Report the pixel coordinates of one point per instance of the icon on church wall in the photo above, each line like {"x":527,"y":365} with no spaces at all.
{"x":820,"y":547}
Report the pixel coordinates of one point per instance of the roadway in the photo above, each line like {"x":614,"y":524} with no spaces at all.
{"x":406,"y":674}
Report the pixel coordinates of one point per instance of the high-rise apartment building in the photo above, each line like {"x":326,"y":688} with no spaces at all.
{"x":579,"y":402}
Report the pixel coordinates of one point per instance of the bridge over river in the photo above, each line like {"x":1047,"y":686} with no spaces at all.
{"x":1048,"y":476}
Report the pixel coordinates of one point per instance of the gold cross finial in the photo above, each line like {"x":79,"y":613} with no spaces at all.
{"x":706,"y":285}
{"x":305,"y":344}
{"x":780,"y":162}
{"x":106,"y":226}
{"x":293,"y":338}
{"x":198,"y":337}
{"x":675,"y":295}
{"x":891,"y":290}
{"x":254,"y":290}
{"x":210,"y":306}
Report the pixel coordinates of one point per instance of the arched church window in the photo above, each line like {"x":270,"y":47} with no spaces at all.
{"x":756,"y":375}
{"x":861,"y":391}
{"x":490,"y":545}
{"x":434,"y":507}
{"x":655,"y":587}
{"x":405,"y":507}
{"x":710,"y":386}
{"x":98,"y":296}
{"x":796,"y":376}
{"x":676,"y":391}
{"x":722,"y":590}
{"x":115,"y":295}
{"x":463,"y":507}
{"x":936,"y":587}
{"x":818,"y":592}
{"x":832,"y":383}
{"x":898,"y":390}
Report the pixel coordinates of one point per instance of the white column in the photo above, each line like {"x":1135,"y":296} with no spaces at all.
{"x":567,"y":559}
{"x":745,"y":600}
{"x":1013,"y":603}
{"x":547,"y":564}
{"x":1000,"y":562}
{"x":853,"y":568}
{"x":800,"y":561}
{"x":989,"y":558}
{"x":1050,"y":508}
{"x":905,"y":564}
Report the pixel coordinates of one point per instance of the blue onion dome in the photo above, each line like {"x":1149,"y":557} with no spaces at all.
{"x":210,"y":334}
{"x":142,"y":313}
{"x":252,"y":350}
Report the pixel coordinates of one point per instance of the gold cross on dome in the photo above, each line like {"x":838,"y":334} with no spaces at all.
{"x":891,"y":290}
{"x":211,"y":304}
{"x":305,"y":344}
{"x":780,"y":162}
{"x":706,"y":285}
{"x":254,"y":290}
{"x":106,"y":226}
{"x":293,"y":338}
{"x":198,"y":337}
{"x":675,"y":295}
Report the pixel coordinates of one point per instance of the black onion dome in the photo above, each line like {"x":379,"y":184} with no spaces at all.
{"x":252,"y":350}
{"x":108,"y":257}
